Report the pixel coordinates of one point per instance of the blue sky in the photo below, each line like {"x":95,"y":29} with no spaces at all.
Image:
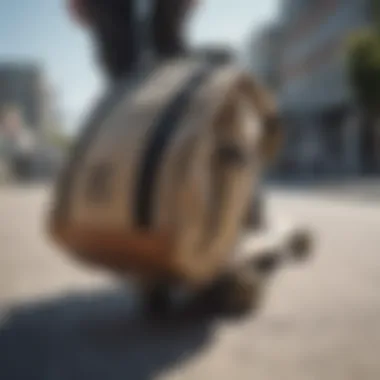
{"x":40,"y":30}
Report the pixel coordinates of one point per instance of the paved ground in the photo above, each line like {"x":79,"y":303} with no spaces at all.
{"x":320,"y":321}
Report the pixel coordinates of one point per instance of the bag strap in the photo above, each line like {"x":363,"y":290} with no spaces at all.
{"x":164,"y":130}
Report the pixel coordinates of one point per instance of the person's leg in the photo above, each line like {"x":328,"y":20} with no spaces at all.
{"x":117,"y":33}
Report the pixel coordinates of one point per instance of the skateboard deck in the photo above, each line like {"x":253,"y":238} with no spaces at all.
{"x":273,"y":245}
{"x":240,"y":287}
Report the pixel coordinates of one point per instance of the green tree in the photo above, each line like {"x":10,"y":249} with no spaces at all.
{"x":364,"y":69}
{"x":363,"y":63}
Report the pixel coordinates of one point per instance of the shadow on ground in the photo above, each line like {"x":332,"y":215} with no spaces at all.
{"x":96,"y":336}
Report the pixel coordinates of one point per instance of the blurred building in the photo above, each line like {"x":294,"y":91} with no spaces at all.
{"x":22,"y":84}
{"x":264,"y":56}
{"x":315,"y":95}
{"x":28,"y":108}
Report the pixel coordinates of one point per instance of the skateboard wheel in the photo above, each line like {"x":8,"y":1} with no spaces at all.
{"x":267,"y":263}
{"x":300,"y":245}
{"x":156,"y":301}
{"x":238,"y":292}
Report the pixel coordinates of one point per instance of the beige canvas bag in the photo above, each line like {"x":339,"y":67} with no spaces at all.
{"x":161,"y":178}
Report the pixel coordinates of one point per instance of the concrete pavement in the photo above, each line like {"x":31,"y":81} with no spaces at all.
{"x":320,"y":321}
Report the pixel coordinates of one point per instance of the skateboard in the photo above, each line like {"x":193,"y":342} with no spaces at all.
{"x":240,"y":287}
